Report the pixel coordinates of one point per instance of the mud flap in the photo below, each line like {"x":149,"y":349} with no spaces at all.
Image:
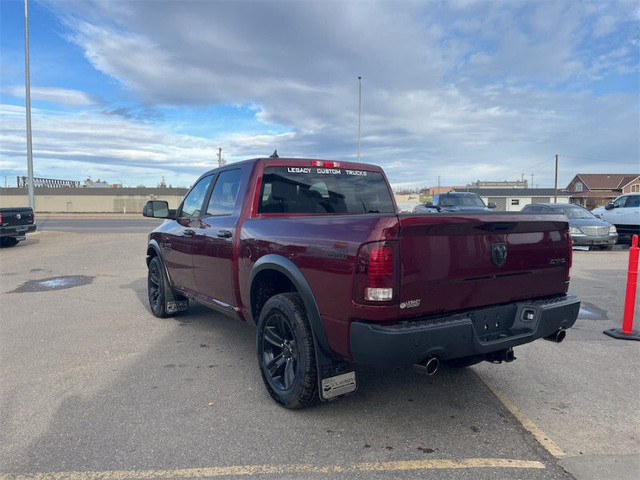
{"x":176,"y":306}
{"x":335,"y":377}
{"x":337,"y":386}
{"x":174,"y":303}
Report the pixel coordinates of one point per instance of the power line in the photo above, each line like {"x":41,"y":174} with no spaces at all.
{"x":532,"y":168}
{"x":594,"y":159}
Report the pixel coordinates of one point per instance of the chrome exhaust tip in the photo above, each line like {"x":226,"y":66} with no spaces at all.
{"x":429,"y":366}
{"x":557,"y":336}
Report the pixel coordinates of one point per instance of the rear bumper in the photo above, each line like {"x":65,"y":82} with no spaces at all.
{"x":17,"y":230}
{"x":475,"y":332}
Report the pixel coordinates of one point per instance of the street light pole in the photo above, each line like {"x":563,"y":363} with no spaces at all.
{"x":359,"y":111}
{"x":28,"y":106}
{"x":555,"y":188}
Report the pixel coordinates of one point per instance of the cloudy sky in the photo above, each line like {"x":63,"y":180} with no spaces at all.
{"x":462,"y":90}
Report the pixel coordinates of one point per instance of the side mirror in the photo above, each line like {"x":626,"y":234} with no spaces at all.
{"x":156,"y":209}
{"x":491,"y":205}
{"x":429,"y":204}
{"x":609,"y":206}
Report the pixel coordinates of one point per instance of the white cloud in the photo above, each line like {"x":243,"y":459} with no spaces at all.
{"x":81,"y":144}
{"x":604,"y":26}
{"x":466,"y":90}
{"x":62,"y":96}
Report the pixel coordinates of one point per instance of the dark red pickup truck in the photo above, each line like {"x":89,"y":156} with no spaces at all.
{"x":315,"y":254}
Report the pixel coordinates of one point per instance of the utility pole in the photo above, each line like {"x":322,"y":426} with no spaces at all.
{"x":555,"y":191}
{"x":532,"y":180}
{"x":28,"y":106}
{"x":359,"y":111}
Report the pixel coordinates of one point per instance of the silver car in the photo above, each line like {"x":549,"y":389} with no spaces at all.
{"x":586,"y":229}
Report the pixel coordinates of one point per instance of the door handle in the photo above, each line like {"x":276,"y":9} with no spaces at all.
{"x":224,"y":234}
{"x":188,"y":233}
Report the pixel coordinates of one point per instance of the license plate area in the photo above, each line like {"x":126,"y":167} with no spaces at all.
{"x":494,"y":323}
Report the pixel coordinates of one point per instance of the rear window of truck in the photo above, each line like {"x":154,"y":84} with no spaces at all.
{"x":323,"y":190}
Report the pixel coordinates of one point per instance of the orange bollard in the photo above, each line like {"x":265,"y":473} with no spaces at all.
{"x":627,"y":332}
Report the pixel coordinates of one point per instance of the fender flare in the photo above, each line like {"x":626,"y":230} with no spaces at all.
{"x":328,"y":365}
{"x":289,"y":269}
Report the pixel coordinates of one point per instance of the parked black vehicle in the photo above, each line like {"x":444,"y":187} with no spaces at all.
{"x":461,"y":202}
{"x":585,"y":228}
{"x":15,"y":223}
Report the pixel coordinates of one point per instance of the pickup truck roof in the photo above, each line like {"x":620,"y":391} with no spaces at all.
{"x":294,"y":186}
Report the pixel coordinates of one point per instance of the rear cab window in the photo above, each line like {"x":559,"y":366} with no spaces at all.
{"x":304,"y":189}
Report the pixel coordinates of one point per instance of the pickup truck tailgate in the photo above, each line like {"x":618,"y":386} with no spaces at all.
{"x":457,"y":262}
{"x":12,"y":217}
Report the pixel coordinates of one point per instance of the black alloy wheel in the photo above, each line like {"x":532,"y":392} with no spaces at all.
{"x":280,"y":351}
{"x":156,"y":286}
{"x":286,"y":352}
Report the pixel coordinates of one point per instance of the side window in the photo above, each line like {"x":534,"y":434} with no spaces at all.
{"x":281,"y":195}
{"x":633,"y":201}
{"x":619,"y":203}
{"x":194,"y":199}
{"x":225,"y":193}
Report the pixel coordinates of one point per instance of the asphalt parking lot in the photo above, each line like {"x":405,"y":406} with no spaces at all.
{"x":94,"y":386}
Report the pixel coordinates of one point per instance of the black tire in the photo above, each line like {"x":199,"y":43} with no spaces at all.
{"x":157,"y":288}
{"x":605,"y":247}
{"x":464,"y":362}
{"x":8,"y":242}
{"x":286,"y":353}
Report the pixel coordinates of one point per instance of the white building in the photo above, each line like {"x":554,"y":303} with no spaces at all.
{"x":513,"y":199}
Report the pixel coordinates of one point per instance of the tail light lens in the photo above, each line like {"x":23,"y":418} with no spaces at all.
{"x":375,"y":279}
{"x":326,"y":164}
{"x":570,"y":257}
{"x":0,"y":218}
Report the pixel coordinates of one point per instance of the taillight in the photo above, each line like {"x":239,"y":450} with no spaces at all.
{"x":33,"y":216}
{"x":375,"y":279}
{"x":0,"y":218}
{"x":570,"y":257}
{"x":326,"y":163}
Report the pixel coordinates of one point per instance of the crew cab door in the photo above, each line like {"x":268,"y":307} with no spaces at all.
{"x":213,"y":244}
{"x":625,"y":210}
{"x":177,"y":246}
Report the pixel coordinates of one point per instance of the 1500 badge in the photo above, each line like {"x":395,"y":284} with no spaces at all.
{"x":410,"y":304}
